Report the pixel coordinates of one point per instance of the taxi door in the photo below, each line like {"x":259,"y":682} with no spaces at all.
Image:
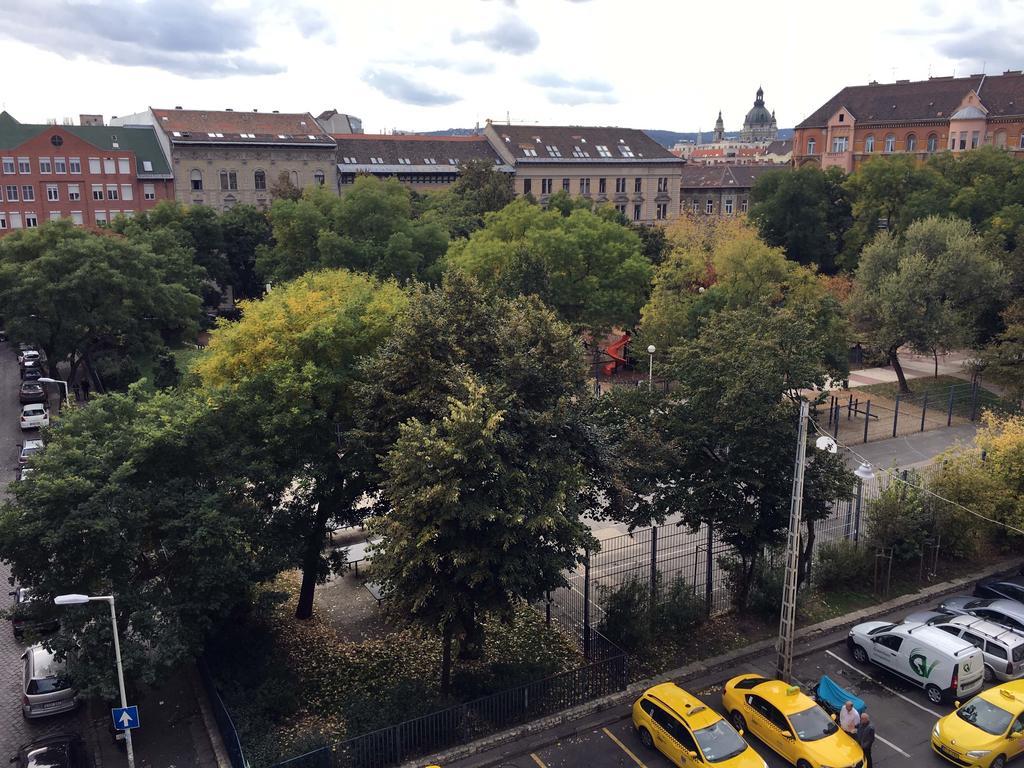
{"x":767,"y":723}
{"x":673,"y":740}
{"x":1015,"y":742}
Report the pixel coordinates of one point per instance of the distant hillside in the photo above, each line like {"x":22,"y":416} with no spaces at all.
{"x":665,"y":138}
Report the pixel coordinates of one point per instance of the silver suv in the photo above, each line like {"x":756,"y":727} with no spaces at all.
{"x":1006,"y":613}
{"x":46,"y":689}
{"x":1003,"y":649}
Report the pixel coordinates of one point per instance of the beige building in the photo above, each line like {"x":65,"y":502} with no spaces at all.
{"x":222,"y":158}
{"x":623,"y":167}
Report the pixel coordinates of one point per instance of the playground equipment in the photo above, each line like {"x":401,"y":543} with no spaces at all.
{"x":617,"y":352}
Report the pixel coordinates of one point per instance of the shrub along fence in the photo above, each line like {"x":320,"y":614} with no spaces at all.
{"x":225,"y":724}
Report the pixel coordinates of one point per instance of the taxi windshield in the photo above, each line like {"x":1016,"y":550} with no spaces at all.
{"x":812,"y":724}
{"x":719,"y":742}
{"x":985,"y":715}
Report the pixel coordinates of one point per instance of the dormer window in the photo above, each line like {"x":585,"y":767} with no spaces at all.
{"x":552,"y":150}
{"x":624,"y":150}
{"x":842,"y":117}
{"x":577,"y":152}
{"x":529,"y":152}
{"x":602,"y":150}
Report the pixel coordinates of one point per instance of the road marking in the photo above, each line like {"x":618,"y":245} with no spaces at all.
{"x":890,"y":690}
{"x":540,"y":762}
{"x":890,"y":744}
{"x":624,"y":748}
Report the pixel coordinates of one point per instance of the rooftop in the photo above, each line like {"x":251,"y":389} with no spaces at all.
{"x":723,"y":176}
{"x":197,"y":126}
{"x":569,"y":143}
{"x":404,"y":152}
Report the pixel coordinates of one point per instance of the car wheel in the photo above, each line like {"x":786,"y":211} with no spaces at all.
{"x":999,"y":762}
{"x":989,"y":674}
{"x":803,"y":764}
{"x":737,"y":721}
{"x":859,"y":655}
{"x":934,"y":694}
{"x":646,"y":739}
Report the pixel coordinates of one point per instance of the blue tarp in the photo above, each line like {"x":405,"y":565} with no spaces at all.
{"x":833,"y":697}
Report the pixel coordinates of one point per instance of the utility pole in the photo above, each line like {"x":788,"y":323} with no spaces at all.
{"x":787,"y":621}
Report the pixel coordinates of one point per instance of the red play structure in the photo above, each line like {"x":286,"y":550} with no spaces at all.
{"x":617,"y":352}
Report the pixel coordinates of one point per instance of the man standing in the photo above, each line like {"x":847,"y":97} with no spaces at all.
{"x":849,"y":718}
{"x":866,"y":738}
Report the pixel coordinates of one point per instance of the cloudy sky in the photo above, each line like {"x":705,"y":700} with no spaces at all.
{"x":431,"y":64}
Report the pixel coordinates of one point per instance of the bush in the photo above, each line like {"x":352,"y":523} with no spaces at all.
{"x":626,"y":619}
{"x":681,"y":610}
{"x":165,"y":369}
{"x":765,"y":598}
{"x":841,"y":565}
{"x":117,"y":371}
{"x":900,"y":519}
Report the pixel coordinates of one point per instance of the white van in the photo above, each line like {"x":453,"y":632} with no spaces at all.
{"x":947,"y":667}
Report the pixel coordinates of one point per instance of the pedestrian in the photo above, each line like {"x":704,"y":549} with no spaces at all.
{"x":849,"y":718}
{"x":866,"y":737}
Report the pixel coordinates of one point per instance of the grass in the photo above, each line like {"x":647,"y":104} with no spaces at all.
{"x":937,"y":389}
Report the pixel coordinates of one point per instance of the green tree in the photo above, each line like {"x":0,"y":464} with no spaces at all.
{"x":805,"y":212}
{"x":245,"y":229}
{"x":289,"y":365}
{"x":75,"y":292}
{"x":138,"y":496}
{"x":1003,"y":358}
{"x":479,"y":189}
{"x":284,"y":188}
{"x":913,"y":292}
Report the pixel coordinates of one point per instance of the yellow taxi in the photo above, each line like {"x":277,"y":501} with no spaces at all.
{"x":987,"y":731}
{"x":789,"y":723}
{"x":688,"y":732}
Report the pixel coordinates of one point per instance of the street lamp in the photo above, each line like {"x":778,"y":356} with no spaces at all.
{"x":67,"y":397}
{"x":650,"y":373}
{"x":81,"y":600}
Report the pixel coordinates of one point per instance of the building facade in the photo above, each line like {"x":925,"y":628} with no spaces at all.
{"x":87,"y":173}
{"x":623,"y":167}
{"x":921,"y":118}
{"x":719,"y":190}
{"x":420,"y":162}
{"x":333,"y":121}
{"x":223,"y":158}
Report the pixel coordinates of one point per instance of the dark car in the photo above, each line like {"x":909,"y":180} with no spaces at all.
{"x":64,"y":751}
{"x":1011,"y":588}
{"x":31,"y":392}
{"x":31,"y":372}
{"x":29,"y":615}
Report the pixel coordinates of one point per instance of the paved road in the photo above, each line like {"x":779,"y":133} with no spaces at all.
{"x":916,"y":450}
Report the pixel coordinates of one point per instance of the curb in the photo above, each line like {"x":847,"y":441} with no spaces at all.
{"x":220,"y":753}
{"x":812,"y":638}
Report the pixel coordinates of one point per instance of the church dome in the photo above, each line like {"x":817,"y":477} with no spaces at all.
{"x":759,"y":114}
{"x":759,"y":124}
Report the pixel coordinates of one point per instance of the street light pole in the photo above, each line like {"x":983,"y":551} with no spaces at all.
{"x":650,"y":373}
{"x":80,"y":599}
{"x":787,"y":620}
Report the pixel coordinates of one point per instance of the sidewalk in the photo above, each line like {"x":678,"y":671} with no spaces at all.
{"x":914,"y":367}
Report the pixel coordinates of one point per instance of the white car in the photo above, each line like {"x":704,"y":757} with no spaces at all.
{"x":28,"y":356}
{"x":34,"y":416}
{"x":27,"y":450}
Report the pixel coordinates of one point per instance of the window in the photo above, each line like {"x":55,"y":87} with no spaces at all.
{"x":602,"y":150}
{"x":318,"y":177}
{"x":74,"y":193}
{"x":975,"y":137}
{"x":97,"y":191}
{"x":54,"y":215}
{"x":565,"y":184}
{"x":709,"y":206}
{"x":527,"y":186}
{"x":743,"y":205}
{"x":552,"y":150}
{"x":76,"y":164}
{"x":60,"y":165}
{"x":197,"y":180}
{"x":45,"y":166}
{"x":577,"y":152}
{"x":911,"y":142}
{"x":811,"y":144}
{"x":15,"y":220}
{"x":621,"y":208}
{"x":124,"y":165}
{"x":602,"y":184}
{"x":31,"y":222}
{"x":12,"y":193}
{"x":52,"y":193}
{"x":228,"y":180}
{"x":3,"y":221}
{"x":545,"y":186}
{"x":638,"y":185}
{"x":625,"y":151}
{"x":101,"y":218}
{"x":842,"y":117}
{"x":108,"y":165}
{"x":94,"y":165}
{"x":529,"y":152}
{"x":620,"y":184}
{"x":1022,"y":141}
{"x":585,"y":186}
{"x":148,"y":192}
{"x":890,"y":143}
{"x":933,"y":142}
{"x":147,"y":165}
{"x":76,"y":217}
{"x":839,"y":143}
{"x":112,"y":192}
{"x":963,"y":139}
{"x":259,"y":179}
{"x":24,"y":165}
{"x":994,"y":649}
{"x":28,"y":193}
{"x":295,"y":177}
{"x":728,"y":205}
{"x":892,"y":642}
{"x":8,"y":165}
{"x":126,"y":192}
{"x":869,"y":143}
{"x":663,"y":183}
{"x":662,"y":211}
{"x":636,"y":212}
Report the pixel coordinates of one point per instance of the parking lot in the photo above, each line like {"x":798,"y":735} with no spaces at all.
{"x":902,"y":715}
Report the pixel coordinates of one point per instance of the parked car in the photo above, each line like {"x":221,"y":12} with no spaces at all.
{"x":948,"y":668}
{"x":34,"y":416}
{"x":789,"y":722}
{"x":24,"y":474}
{"x":28,"y":355}
{"x":3,"y":334}
{"x":687,"y":731}
{"x":47,"y":690}
{"x":987,"y":731}
{"x":29,"y":615}
{"x":1011,"y":588}
{"x":63,"y":751}
{"x":31,"y":392}
{"x":28,"y":449}
{"x":1002,"y":648}
{"x":1008,"y":613}
{"x":31,"y":372}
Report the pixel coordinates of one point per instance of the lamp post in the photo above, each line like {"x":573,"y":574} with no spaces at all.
{"x":67,"y":397}
{"x":650,"y":371}
{"x":81,"y":600}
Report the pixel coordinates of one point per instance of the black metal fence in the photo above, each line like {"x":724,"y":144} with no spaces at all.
{"x":228,"y":733}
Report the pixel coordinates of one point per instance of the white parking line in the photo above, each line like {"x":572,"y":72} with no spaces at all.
{"x":890,"y":690}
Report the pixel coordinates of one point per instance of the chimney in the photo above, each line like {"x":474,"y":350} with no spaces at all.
{"x":228,"y":109}
{"x":177,"y":107}
{"x":277,"y":111}
{"x":90,"y":119}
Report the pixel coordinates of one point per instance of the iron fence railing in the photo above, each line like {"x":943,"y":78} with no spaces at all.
{"x":226,"y":726}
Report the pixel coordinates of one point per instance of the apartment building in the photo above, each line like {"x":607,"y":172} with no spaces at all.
{"x":223,"y":158}
{"x":720,"y":190}
{"x":623,"y":167}
{"x":87,"y":173}
{"x":920,"y":118}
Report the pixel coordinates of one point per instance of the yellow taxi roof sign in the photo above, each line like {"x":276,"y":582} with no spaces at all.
{"x":793,"y":690}
{"x":1007,"y":694}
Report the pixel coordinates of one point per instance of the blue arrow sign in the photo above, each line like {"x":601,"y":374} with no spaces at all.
{"x":125,"y":718}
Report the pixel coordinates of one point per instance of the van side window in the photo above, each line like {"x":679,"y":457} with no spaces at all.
{"x":893,"y":642}
{"x":994,"y":649}
{"x":951,"y":630}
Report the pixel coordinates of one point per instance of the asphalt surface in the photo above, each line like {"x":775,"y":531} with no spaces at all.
{"x":918,"y":449}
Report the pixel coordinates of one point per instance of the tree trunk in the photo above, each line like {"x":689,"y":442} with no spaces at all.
{"x":471,"y":643}
{"x":935,"y":352}
{"x":894,"y":360}
{"x":446,"y":658}
{"x":310,"y":572}
{"x":806,"y":555}
{"x":743,"y":593}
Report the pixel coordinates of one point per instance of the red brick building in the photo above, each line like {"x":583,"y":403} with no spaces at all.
{"x":918,"y":118}
{"x":86,"y":173}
